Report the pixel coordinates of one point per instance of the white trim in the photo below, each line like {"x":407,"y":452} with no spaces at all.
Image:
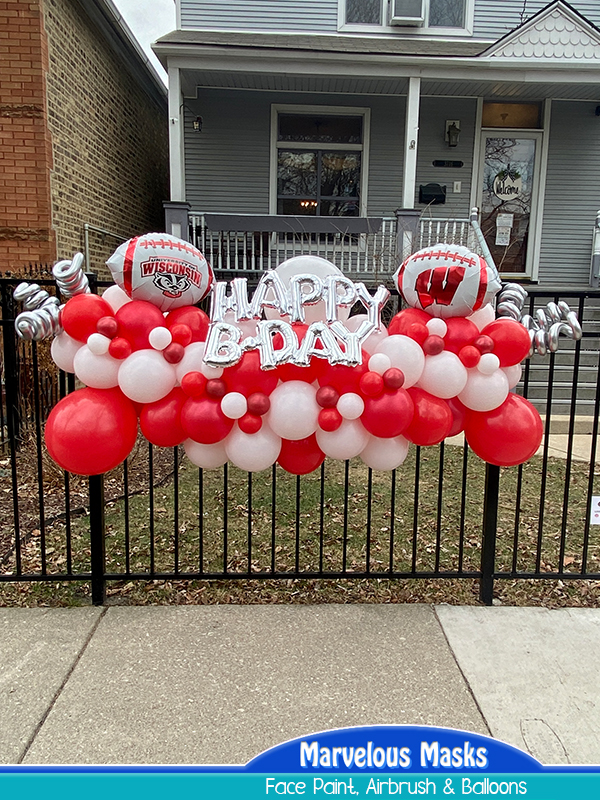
{"x":348,"y":111}
{"x":178,"y":14}
{"x":534,"y":216}
{"x":475,"y":176}
{"x":176,"y":151}
{"x":543,"y":169}
{"x":411,"y":143}
{"x":397,"y":30}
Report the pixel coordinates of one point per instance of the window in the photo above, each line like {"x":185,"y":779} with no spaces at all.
{"x":319,"y":163}
{"x":453,"y":16}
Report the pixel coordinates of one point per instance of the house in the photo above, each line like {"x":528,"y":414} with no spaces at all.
{"x":83,"y":132}
{"x":369,"y":121}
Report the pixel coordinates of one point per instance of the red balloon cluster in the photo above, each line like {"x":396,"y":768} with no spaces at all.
{"x":425,"y":380}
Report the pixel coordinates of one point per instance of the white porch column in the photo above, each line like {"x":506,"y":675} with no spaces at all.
{"x":176,"y":160}
{"x":411,"y":138}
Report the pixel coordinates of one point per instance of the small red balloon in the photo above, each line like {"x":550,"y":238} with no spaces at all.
{"x":193,"y":384}
{"x":389,"y":414}
{"x":182,"y":334}
{"x":203,"y":421}
{"x":460,"y":333}
{"x":470,"y":356}
{"x":393,"y":378}
{"x":371,"y":384}
{"x":301,"y":456}
{"x":508,"y":435}
{"x":160,"y":421}
{"x":136,"y":319}
{"x":250,"y":423}
{"x":247,"y":377}
{"x":82,"y":313}
{"x":511,"y":340}
{"x":196,"y":320}
{"x":433,"y":345}
{"x":108,"y":326}
{"x":216,"y":388}
{"x":404,"y":319}
{"x":484,"y":344}
{"x":327,"y":396}
{"x":173,"y":353}
{"x":258,"y":404}
{"x":119,"y":348}
{"x":432,"y":420}
{"x":330,"y":419}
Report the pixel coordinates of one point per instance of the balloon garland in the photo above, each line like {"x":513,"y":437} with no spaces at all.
{"x":285,"y":375}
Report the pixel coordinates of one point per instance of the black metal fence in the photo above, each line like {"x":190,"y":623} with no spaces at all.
{"x":443,"y":514}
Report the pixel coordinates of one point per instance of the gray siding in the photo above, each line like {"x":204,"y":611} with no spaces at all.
{"x":227,"y":164}
{"x":572,"y":194}
{"x":262,"y":15}
{"x":495,"y":18}
{"x":432,"y":146}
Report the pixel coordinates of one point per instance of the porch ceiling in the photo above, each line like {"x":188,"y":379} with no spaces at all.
{"x":330,"y":84}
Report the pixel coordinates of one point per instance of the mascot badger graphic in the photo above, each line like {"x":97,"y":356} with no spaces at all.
{"x":162,"y":269}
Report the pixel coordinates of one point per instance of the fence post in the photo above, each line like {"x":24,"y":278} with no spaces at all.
{"x":97,"y":538}
{"x":490,"y":526}
{"x":11,"y":367}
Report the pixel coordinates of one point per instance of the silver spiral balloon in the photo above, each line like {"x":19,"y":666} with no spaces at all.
{"x":70,"y":277}
{"x":41,"y":317}
{"x":547,"y":325}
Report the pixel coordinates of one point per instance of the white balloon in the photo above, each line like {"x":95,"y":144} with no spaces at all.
{"x":385,"y":453}
{"x":146,"y":377}
{"x":294,"y":410}
{"x":373,"y":341}
{"x":346,"y":442}
{"x":98,"y":372}
{"x":444,"y":375}
{"x":207,"y":456}
{"x":159,"y":338}
{"x":192,"y":362}
{"x":404,"y":354}
{"x":488,"y":363}
{"x":379,"y":363}
{"x":307,"y":265}
{"x":484,"y":392}
{"x":483,"y":316}
{"x":513,"y":374}
{"x":98,"y":343}
{"x":253,"y":452}
{"x":437,"y":327}
{"x":63,"y":350}
{"x":234,"y":405}
{"x":350,"y":405}
{"x":115,"y":297}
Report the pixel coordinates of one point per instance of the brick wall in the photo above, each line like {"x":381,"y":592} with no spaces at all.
{"x":26,"y":233}
{"x":80,"y":139}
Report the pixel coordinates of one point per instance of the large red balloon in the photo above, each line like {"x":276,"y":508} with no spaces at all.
{"x":511,"y":340}
{"x":91,"y":431}
{"x":81,"y":315}
{"x":461,"y":332}
{"x":388,"y":415}
{"x":300,"y":456}
{"x":345,"y":379}
{"x":160,"y":421}
{"x":191,"y":316}
{"x":401,"y":323}
{"x":290,"y":372}
{"x":508,"y":435}
{"x":248,"y":378}
{"x":136,"y":319}
{"x":432,"y":420}
{"x":203,"y":421}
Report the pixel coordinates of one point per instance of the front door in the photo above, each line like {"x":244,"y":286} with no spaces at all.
{"x":509,"y":166}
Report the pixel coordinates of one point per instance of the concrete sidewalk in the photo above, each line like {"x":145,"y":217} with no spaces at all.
{"x":219,"y":684}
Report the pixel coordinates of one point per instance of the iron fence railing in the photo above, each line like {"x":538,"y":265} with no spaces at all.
{"x":444,"y":514}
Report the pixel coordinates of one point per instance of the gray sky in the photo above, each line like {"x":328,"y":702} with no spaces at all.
{"x":148,"y":20}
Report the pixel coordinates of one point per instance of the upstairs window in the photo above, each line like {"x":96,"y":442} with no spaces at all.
{"x":453,"y":16}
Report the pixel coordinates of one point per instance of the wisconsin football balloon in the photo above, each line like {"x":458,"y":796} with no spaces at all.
{"x":447,"y":281}
{"x":161,"y":269}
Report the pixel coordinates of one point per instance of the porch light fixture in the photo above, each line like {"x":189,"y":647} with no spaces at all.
{"x":197,"y":124}
{"x":452,"y":132}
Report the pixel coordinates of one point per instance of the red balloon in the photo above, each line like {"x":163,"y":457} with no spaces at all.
{"x":182,"y":334}
{"x":194,"y":384}
{"x":290,"y":372}
{"x":459,"y":415}
{"x":371,"y":384}
{"x":508,"y":435}
{"x":258,"y":404}
{"x":160,"y":421}
{"x":173,"y":353}
{"x":470,"y":356}
{"x":136,"y":319}
{"x":250,"y":423}
{"x":393,"y":378}
{"x":91,"y":431}
{"x":389,"y":414}
{"x":119,"y":348}
{"x":247,"y":377}
{"x":402,"y":322}
{"x":300,"y":456}
{"x":433,"y":345}
{"x":344,"y":379}
{"x":461,"y":332}
{"x":327,"y":397}
{"x":511,"y":340}
{"x":203,"y":421}
{"x":82,"y":313}
{"x":193,"y":317}
{"x":432,"y":420}
{"x":330,"y":419}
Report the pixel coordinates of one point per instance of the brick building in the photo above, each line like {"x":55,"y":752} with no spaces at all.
{"x":83,"y":131}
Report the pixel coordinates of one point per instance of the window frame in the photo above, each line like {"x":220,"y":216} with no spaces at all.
{"x":424,"y":30}
{"x":310,"y":110}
